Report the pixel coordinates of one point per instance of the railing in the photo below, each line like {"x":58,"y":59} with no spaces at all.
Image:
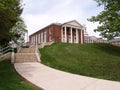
{"x":18,"y":48}
{"x":12,"y":56}
{"x":37,"y":53}
{"x":51,"y":42}
{"x":43,"y":44}
{"x":5,"y":50}
{"x":31,"y":45}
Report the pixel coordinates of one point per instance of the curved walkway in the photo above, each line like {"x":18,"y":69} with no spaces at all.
{"x":51,"y":79}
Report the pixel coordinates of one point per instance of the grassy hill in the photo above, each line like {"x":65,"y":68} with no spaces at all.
{"x":95,"y":60}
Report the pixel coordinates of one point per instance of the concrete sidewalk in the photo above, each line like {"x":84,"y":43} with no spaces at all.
{"x":51,"y":79}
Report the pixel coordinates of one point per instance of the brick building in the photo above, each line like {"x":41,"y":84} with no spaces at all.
{"x":115,"y":41}
{"x":69,"y":32}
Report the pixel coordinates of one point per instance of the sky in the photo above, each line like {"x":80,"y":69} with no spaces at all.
{"x":39,"y":13}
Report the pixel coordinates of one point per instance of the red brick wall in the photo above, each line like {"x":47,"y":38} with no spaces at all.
{"x":57,"y":33}
{"x":50,"y":33}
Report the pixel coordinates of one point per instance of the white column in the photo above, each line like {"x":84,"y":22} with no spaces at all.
{"x":36,"y":39}
{"x":81,"y":37}
{"x":27,"y":36}
{"x":65,"y":35}
{"x":76,"y":35}
{"x":71,"y":35}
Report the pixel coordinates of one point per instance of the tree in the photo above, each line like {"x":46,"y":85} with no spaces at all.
{"x":109,"y":19}
{"x":18,"y":32}
{"x":10,"y":11}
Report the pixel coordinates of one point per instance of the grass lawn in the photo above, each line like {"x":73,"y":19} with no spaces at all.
{"x":9,"y":80}
{"x":94,"y":60}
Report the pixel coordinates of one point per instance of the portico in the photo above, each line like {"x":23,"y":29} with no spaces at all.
{"x":72,"y":32}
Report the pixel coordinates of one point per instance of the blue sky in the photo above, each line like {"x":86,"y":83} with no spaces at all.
{"x":40,"y":13}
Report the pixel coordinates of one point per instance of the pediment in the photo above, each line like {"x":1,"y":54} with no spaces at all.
{"x":73,"y":23}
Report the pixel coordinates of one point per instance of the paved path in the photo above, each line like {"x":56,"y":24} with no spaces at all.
{"x":51,"y":79}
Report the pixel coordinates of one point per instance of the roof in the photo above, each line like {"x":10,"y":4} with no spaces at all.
{"x":59,"y":24}
{"x":71,"y":23}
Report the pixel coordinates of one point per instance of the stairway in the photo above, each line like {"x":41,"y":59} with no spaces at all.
{"x":26,"y":55}
{"x":27,"y":50}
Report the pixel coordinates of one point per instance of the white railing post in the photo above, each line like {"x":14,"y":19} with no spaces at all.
{"x":18,"y":48}
{"x":12,"y":56}
{"x":43,"y":44}
{"x":37,"y":53}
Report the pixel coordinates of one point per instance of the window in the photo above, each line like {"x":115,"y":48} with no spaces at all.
{"x":44,"y":36}
{"x":38,"y":38}
{"x":41,"y":37}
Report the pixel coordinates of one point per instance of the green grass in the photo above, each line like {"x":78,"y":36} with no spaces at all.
{"x":94,"y":60}
{"x":9,"y":79}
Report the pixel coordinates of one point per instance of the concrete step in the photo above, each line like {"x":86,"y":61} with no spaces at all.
{"x":27,"y":50}
{"x":25,"y":57}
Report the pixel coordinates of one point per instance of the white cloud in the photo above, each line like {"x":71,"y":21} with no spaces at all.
{"x":39,"y":13}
